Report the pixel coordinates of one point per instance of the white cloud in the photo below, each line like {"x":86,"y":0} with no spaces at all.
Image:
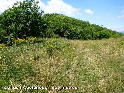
{"x":41,"y":4}
{"x":59,"y":6}
{"x":52,"y":6}
{"x":89,"y":11}
{"x":5,"y":4}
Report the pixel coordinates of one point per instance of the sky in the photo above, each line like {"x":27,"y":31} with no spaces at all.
{"x":107,"y":13}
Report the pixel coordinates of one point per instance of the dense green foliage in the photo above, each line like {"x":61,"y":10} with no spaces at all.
{"x":63,"y":26}
{"x":25,"y":20}
{"x":22,"y":20}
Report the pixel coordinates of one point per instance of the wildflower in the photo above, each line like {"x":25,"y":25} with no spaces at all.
{"x":18,"y":40}
{"x":2,"y":45}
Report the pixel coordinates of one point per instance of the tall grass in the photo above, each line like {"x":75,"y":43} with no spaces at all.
{"x":95,"y":66}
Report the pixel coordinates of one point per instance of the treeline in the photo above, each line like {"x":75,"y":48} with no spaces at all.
{"x":25,"y":20}
{"x":63,"y":26}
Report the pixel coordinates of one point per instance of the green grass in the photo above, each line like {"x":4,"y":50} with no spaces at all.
{"x":94,"y":66}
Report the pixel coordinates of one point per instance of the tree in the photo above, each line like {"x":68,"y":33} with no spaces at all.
{"x":23,"y":19}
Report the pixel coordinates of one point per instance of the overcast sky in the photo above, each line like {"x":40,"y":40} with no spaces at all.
{"x":109,"y":13}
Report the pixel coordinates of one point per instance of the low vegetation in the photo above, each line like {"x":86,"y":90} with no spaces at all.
{"x":53,"y":50}
{"x":93,"y":67}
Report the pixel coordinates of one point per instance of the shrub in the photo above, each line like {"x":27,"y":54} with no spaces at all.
{"x":2,"y":35}
{"x":22,"y":20}
{"x":71,"y":28}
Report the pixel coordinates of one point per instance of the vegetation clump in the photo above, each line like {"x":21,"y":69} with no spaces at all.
{"x":22,"y":20}
{"x":71,"y":28}
{"x":25,"y":19}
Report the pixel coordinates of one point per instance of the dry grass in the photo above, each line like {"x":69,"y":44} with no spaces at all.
{"x":93,"y":66}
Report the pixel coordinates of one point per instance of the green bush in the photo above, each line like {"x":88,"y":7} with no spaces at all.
{"x":2,"y":35}
{"x":25,"y":20}
{"x":71,"y":28}
{"x":22,"y":20}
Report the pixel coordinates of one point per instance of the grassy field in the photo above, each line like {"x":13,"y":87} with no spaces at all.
{"x":72,"y":66}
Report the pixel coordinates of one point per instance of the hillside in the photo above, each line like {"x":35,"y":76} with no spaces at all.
{"x":91,"y":66}
{"x":64,"y":26}
{"x":53,"y":53}
{"x":25,"y":20}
